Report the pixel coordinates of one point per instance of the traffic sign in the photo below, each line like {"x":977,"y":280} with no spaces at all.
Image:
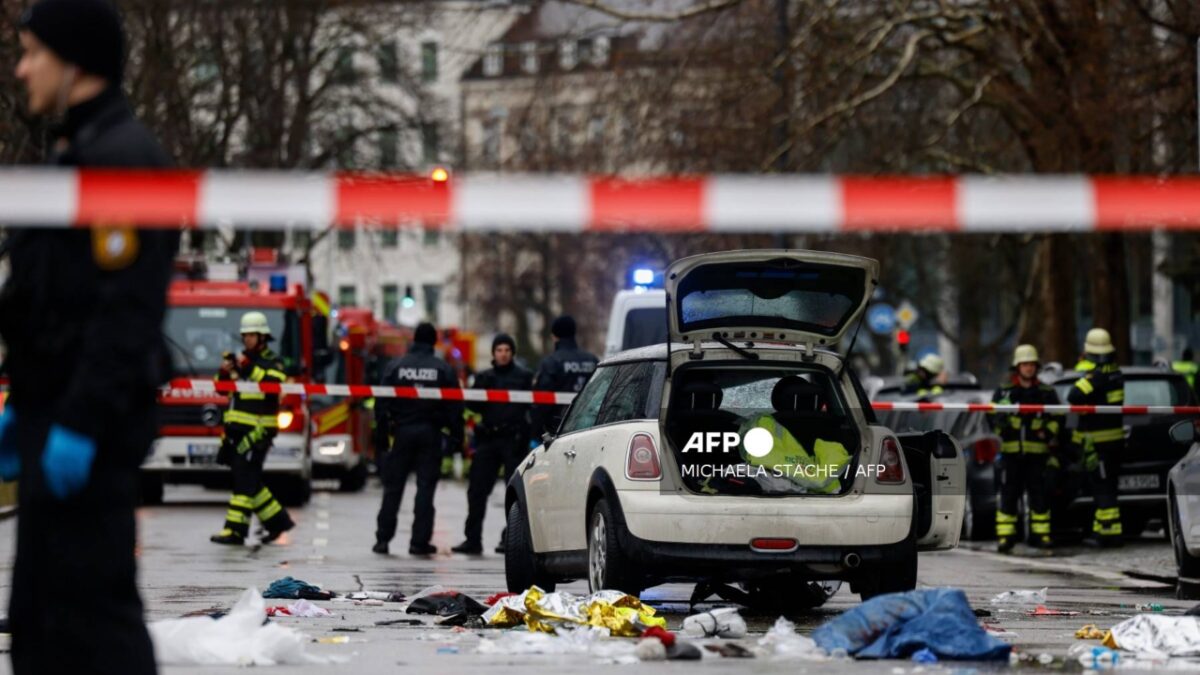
{"x":906,"y":315}
{"x":881,"y":319}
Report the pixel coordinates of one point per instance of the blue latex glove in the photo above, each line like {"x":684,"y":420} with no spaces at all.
{"x":67,"y":461}
{"x":10,"y":459}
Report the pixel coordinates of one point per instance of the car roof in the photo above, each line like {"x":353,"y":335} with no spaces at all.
{"x":659,"y":352}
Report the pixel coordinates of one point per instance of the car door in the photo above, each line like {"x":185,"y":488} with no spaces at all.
{"x":784,"y":296}
{"x":939,"y":474}
{"x":554,"y":479}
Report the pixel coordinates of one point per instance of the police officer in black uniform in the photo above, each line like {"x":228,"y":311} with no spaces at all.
{"x":502,"y":438}
{"x":568,"y":368}
{"x":415,"y":427}
{"x":81,"y":315}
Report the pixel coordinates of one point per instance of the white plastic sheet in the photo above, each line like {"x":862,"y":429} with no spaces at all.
{"x":591,"y":641}
{"x":1159,"y":635}
{"x":783,"y":642}
{"x":1021,"y":598}
{"x":240,"y":638}
{"x":724,"y":622}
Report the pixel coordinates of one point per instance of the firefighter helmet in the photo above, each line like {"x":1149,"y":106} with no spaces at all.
{"x":1025,"y":354}
{"x":255,"y":322}
{"x":1098,"y":342}
{"x":932,"y":364}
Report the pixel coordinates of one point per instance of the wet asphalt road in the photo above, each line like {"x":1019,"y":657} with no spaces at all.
{"x":182,"y":572}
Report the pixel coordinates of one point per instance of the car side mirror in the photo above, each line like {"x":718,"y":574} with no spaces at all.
{"x":547,"y":439}
{"x":1184,"y":433}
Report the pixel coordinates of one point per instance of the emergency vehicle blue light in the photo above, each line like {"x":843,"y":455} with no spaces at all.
{"x":643,"y":276}
{"x":278,"y":283}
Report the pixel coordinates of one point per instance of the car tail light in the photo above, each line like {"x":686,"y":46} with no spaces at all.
{"x":986,"y":450}
{"x":772,"y":545}
{"x":641,"y":461}
{"x":889,"y":458}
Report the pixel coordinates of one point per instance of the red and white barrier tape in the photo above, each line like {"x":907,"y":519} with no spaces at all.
{"x":191,"y":388}
{"x":280,"y":200}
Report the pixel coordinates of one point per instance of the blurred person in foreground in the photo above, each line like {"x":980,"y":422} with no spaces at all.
{"x":82,"y":317}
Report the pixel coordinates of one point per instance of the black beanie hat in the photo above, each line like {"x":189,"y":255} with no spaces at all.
{"x":85,"y":33}
{"x":504,"y":339}
{"x":425,"y":334}
{"x":563,"y":327}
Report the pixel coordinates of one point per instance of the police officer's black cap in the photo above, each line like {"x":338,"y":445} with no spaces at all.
{"x":85,"y":33}
{"x":425,"y":334}
{"x":504,"y":339}
{"x":563,"y":327}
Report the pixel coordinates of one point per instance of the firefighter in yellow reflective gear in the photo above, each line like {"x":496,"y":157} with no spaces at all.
{"x":251,"y":423}
{"x":1187,"y":366}
{"x":923,"y":382}
{"x":1101,"y":438}
{"x":798,"y":404}
{"x":1026,"y":441}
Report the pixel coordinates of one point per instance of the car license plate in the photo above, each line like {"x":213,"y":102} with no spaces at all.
{"x":1138,"y":481}
{"x":202,"y":453}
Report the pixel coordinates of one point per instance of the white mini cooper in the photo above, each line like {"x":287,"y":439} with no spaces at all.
{"x":744,"y":451}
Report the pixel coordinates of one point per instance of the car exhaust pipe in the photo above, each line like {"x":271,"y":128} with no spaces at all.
{"x":851,"y":560}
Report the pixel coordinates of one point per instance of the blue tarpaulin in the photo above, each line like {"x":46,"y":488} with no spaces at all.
{"x":898,"y":624}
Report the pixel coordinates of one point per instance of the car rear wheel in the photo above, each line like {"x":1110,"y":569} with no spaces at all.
{"x":520,"y":565}
{"x":608,"y":568}
{"x":1187,"y":565}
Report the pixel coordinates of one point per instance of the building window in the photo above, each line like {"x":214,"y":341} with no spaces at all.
{"x":493,"y":61}
{"x":345,"y":239}
{"x":347,"y":296}
{"x":389,"y":148}
{"x":433,"y":297}
{"x":344,"y":148}
{"x":432,"y":237}
{"x":391,"y":302}
{"x":389,"y":238}
{"x":529,"y":57}
{"x":388,"y":58}
{"x":430,"y":149}
{"x":429,"y":61}
{"x":343,"y":67}
{"x":601,"y":47}
{"x":567,"y":57}
{"x":583,"y":52}
{"x":493,"y":129}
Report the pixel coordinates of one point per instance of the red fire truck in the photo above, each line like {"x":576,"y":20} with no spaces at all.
{"x":202,"y":324}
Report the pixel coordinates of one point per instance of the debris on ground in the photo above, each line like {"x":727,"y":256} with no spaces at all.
{"x":729,"y":650}
{"x":1042,"y":610}
{"x":898,"y":624}
{"x":585,"y":641}
{"x":1021,"y":598}
{"x":1090,"y":632}
{"x":1157,"y":635}
{"x":400,"y":622}
{"x":783,"y":642}
{"x":1149,"y":607}
{"x":446,"y":603}
{"x":621,"y":614}
{"x":288,"y":588}
{"x":1093,"y":657}
{"x":381,"y":596}
{"x":333,"y":640}
{"x":240,"y":638}
{"x":724,"y":622}
{"x":301,"y":609}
